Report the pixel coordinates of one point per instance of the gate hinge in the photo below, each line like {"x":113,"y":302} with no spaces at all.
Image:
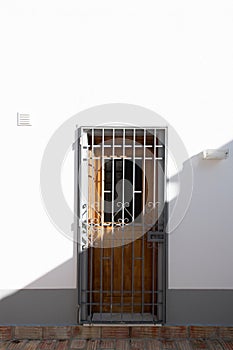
{"x":74,"y":144}
{"x":78,"y":313}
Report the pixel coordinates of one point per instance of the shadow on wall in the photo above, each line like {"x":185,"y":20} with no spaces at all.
{"x":194,"y":268}
{"x":38,"y":303}
{"x":60,"y":276}
{"x":45,"y":300}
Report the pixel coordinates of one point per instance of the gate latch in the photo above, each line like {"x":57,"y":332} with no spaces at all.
{"x":155,"y":236}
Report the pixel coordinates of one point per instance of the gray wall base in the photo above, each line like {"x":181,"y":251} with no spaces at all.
{"x":40,"y":306}
{"x":198,"y":306}
{"x":59,"y":306}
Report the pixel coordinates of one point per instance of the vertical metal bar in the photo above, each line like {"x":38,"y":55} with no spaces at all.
{"x":77,"y":212}
{"x":133,"y":226}
{"x":161,"y":137}
{"x":113,"y":210}
{"x":83,"y":256}
{"x":123,"y":219}
{"x":123,"y":176}
{"x":154,"y":206}
{"x":164,"y":271}
{"x":92,"y":214}
{"x":143,"y":223}
{"x":102,"y":228}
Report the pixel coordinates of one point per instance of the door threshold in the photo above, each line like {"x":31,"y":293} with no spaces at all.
{"x":122,"y":319}
{"x":122,"y":324}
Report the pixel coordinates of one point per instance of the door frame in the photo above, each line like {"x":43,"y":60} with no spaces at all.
{"x":80,"y":214}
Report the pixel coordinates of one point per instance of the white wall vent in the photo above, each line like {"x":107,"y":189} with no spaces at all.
{"x":23,"y":119}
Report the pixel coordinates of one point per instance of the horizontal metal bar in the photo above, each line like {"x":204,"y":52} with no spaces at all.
{"x":116,"y":224}
{"x":125,"y":157}
{"x":118,"y":291}
{"x":113,"y":322}
{"x":119,"y":304}
{"x":108,"y":127}
{"x":126,"y":146}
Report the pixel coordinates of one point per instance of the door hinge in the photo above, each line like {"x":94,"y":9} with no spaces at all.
{"x":78,"y":313}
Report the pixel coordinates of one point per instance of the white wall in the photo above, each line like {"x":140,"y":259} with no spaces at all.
{"x":60,"y":57}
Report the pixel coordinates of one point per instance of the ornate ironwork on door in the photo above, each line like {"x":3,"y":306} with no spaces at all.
{"x":120,"y":184}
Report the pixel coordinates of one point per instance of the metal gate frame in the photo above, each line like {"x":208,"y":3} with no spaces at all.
{"x":80,"y":147}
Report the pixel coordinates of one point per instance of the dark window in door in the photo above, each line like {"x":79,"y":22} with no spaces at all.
{"x":113,"y":182}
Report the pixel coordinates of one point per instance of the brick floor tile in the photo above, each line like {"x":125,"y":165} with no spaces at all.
{"x":78,"y":344}
{"x":227,"y":344}
{"x":17,"y":344}
{"x":62,"y":345}
{"x":138,"y":344}
{"x":46,"y":345}
{"x":5,"y":333}
{"x":214,"y":344}
{"x":198,"y":344}
{"x":106,"y":344}
{"x":115,"y":332}
{"x":225,"y":332}
{"x":56,"y":332}
{"x":183,"y":344}
{"x":170,"y":332}
{"x":87,"y":332}
{"x":153,"y":344}
{"x":27,"y":332}
{"x":92,"y":344}
{"x":168,"y":344}
{"x":31,"y":345}
{"x":202,"y":332}
{"x":122,"y":344}
{"x":145,"y":332}
{"x":75,"y":330}
{"x":3,"y":345}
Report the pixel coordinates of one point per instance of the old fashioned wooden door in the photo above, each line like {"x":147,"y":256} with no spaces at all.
{"x":121,"y":232}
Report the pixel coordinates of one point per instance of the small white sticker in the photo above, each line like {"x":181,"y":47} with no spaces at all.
{"x":23,"y":119}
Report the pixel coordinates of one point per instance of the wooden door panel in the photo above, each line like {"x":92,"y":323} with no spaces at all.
{"x":129,"y":273}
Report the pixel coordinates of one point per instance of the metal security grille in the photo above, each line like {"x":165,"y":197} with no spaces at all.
{"x":121,"y":228}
